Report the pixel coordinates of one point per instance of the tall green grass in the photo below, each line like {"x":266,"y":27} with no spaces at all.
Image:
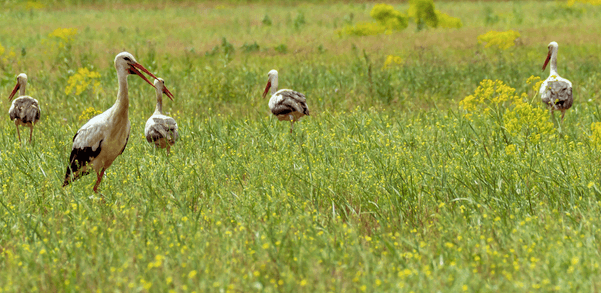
{"x":387,"y":186}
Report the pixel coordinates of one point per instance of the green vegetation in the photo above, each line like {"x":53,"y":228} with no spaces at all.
{"x":414,"y":172}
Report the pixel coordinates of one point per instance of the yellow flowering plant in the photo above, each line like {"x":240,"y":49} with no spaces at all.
{"x":501,"y":40}
{"x":88,"y":113}
{"x":59,"y":42}
{"x":535,"y":81}
{"x":81,"y":80}
{"x":6,"y":56}
{"x":527,"y":123}
{"x":592,"y":2}
{"x":387,"y":19}
{"x":447,"y":21}
{"x":66,"y":35}
{"x":34,"y":5}
{"x":363,"y":29}
{"x":392,"y":61}
{"x":595,"y":136}
{"x":517,"y":119}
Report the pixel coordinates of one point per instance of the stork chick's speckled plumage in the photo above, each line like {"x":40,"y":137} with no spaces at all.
{"x":104,"y":137}
{"x":24,"y":110}
{"x":556,"y":91}
{"x":285,"y":104}
{"x":161,"y":129}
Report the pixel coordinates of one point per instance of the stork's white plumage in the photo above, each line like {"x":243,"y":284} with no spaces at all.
{"x":104,"y":137}
{"x":24,"y":110}
{"x":285,"y":104}
{"x":556,"y":91}
{"x":161,"y":129}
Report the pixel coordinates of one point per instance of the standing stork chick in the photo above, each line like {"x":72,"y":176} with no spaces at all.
{"x":285,"y":104}
{"x":25,"y":110}
{"x":104,"y":137}
{"x":161,"y":129}
{"x":556,"y":91}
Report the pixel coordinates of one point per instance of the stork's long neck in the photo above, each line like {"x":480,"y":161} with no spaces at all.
{"x":554,"y":62}
{"x":159,"y":108}
{"x":122,"y":104}
{"x":22,"y":88}
{"x":274,"y":84}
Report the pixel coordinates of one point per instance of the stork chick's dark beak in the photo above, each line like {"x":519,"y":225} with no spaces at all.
{"x":133,"y":70}
{"x":167,"y":92}
{"x":12,"y":94}
{"x":547,"y":60}
{"x":266,"y":89}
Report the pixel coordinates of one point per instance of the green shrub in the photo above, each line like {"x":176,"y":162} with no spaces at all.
{"x":423,"y":13}
{"x":281,"y":48}
{"x":387,"y":20}
{"x":248,"y":48}
{"x":388,"y":17}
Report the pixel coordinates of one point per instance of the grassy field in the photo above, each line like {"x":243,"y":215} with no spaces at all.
{"x":392,"y":183}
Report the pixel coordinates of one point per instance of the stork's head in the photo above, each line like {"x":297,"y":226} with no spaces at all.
{"x":159,"y":84}
{"x":125,"y":63}
{"x":272,"y":77}
{"x":553,"y":46}
{"x":21,"y":82}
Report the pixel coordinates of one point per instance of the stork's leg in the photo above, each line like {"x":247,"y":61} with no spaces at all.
{"x":30,"y":133}
{"x":291,"y":122}
{"x":168,"y":148}
{"x":99,"y":175}
{"x":552,"y":111}
{"x":18,"y":133}
{"x":563,"y":112}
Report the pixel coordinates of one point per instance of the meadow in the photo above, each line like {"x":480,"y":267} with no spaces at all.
{"x":412,"y":174}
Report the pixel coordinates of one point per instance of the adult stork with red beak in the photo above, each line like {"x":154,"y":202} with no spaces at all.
{"x":104,"y":137}
{"x":287,"y":105}
{"x":556,"y":91}
{"x":24,"y":110}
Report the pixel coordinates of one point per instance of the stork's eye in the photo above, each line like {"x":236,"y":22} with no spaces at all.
{"x":127,"y":59}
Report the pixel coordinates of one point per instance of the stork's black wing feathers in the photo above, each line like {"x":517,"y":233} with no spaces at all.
{"x":80,"y":157}
{"x":281,"y":109}
{"x":126,"y":140}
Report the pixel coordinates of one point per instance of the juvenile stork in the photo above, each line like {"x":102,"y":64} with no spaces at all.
{"x":25,"y":110}
{"x":104,"y":137}
{"x":160,"y":129}
{"x":556,"y":91}
{"x":285,"y":104}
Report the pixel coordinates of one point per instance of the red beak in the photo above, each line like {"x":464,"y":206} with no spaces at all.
{"x":132,"y":69}
{"x":167,"y":92}
{"x":267,"y":89}
{"x":12,"y":94}
{"x":547,"y":61}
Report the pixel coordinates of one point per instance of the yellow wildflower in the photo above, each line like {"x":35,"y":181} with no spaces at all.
{"x":81,"y":80}
{"x":392,"y":60}
{"x":502,"y":40}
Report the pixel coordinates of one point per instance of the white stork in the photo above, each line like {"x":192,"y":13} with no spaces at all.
{"x":104,"y":137}
{"x":161,"y":129}
{"x":556,"y":91}
{"x":25,"y":110}
{"x":285,"y":104}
